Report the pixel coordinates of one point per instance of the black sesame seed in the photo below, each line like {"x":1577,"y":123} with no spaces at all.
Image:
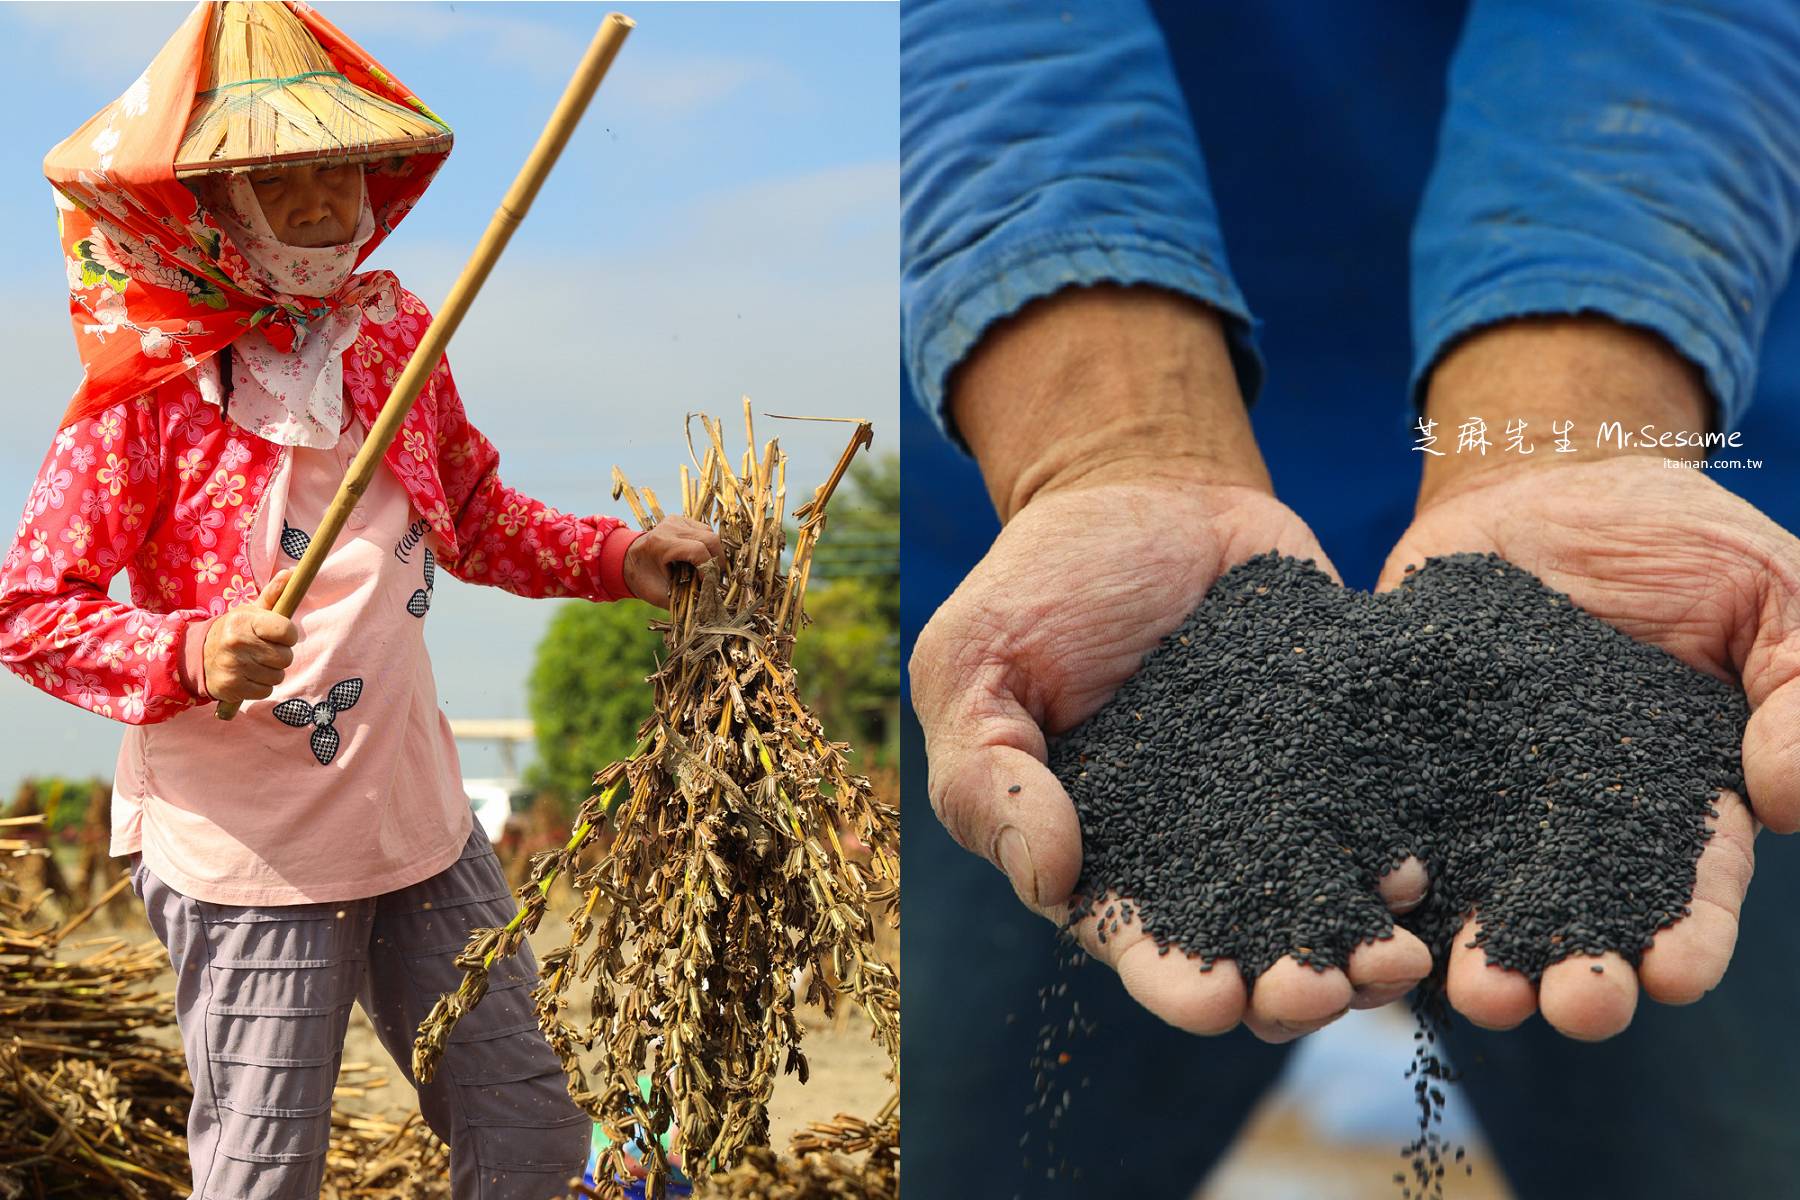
{"x":1241,"y":799}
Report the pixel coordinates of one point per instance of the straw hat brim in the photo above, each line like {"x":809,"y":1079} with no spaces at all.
{"x":316,"y":118}
{"x":366,"y":154}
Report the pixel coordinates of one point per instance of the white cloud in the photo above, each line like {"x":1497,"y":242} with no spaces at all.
{"x":668,"y":88}
{"x":647,"y":84}
{"x":506,"y":35}
{"x":101,"y":38}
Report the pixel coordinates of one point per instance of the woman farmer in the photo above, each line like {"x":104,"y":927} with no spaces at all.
{"x":318,"y":850}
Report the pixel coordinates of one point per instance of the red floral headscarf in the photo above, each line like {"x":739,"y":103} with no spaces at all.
{"x":155,"y":284}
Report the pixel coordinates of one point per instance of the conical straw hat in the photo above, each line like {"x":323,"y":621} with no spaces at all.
{"x":271,"y":95}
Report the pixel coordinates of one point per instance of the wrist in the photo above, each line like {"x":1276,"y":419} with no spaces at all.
{"x":1581,"y":388}
{"x":1104,"y":385}
{"x":614,"y":549}
{"x":190,"y":663}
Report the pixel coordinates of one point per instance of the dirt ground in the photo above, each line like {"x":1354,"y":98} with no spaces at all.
{"x":849,"y":1070}
{"x":1279,"y":1156}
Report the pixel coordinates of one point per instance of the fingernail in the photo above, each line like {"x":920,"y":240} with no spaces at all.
{"x":1488,"y":1027}
{"x":1015,"y":859}
{"x":1375,"y":995}
{"x":1302,"y":1028}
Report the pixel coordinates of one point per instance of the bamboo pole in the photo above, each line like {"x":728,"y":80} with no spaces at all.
{"x":600,"y":54}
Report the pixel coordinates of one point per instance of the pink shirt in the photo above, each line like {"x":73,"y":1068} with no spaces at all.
{"x":345,"y":783}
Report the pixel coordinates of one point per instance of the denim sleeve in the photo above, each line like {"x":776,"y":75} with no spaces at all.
{"x":1638,"y":159}
{"x":1044,"y":146}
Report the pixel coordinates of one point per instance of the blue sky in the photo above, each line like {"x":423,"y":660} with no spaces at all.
{"x":724,"y":221}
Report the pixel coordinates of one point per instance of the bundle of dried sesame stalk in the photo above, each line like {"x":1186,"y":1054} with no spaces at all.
{"x":94,"y":1090}
{"x":725,"y":874}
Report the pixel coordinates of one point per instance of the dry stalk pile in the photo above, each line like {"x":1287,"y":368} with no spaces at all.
{"x":94,"y":1090}
{"x":725,"y":875}
{"x":821,"y":1166}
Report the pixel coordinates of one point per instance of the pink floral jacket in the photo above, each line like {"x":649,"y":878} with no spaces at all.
{"x":166,"y":488}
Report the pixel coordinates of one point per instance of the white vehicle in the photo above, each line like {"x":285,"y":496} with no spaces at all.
{"x":494,"y":800}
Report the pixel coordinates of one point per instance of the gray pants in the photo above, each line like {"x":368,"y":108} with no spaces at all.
{"x":263,"y":998}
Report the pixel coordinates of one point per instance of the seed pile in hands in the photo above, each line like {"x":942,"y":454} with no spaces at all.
{"x":1242,"y":794}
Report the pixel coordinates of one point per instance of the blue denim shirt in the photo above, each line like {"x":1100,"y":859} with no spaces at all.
{"x":1634,"y":158}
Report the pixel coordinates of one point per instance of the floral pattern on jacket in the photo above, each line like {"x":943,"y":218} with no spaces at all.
{"x":163,"y":487}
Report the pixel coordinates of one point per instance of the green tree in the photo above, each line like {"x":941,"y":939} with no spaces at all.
{"x":587,"y":693}
{"x":862,"y":534}
{"x":848,"y":659}
{"x":587,"y":689}
{"x":848,"y":664}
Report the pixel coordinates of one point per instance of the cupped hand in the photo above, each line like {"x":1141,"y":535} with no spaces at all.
{"x":1080,"y":585}
{"x":249,"y":649}
{"x":1671,"y":558}
{"x":671,"y":540}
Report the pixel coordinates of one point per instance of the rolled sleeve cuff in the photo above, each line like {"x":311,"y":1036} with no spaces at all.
{"x":1729,"y":369}
{"x":612,"y":562}
{"x":961,"y":314}
{"x":190,"y":665}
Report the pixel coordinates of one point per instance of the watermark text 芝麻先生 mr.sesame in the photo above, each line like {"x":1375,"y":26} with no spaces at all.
{"x":1518,"y":437}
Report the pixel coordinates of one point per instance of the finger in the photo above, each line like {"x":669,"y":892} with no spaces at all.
{"x":1188,"y":994}
{"x":1403,"y":888}
{"x":685,"y":527}
{"x":1386,"y":969}
{"x":1291,"y":999}
{"x":706,"y":537}
{"x":1294,"y":540}
{"x":687,"y":550}
{"x":1687,"y":960}
{"x":274,"y":628}
{"x":1266,"y":1031}
{"x":246,"y":690}
{"x":1401,"y":561}
{"x":985,"y":759}
{"x":1491,"y":997}
{"x":1772,"y":758}
{"x":1588,"y":1005}
{"x":1003,"y":804}
{"x":1201,"y":999}
{"x":270,"y":595}
{"x":272,"y":655}
{"x":250,"y":672}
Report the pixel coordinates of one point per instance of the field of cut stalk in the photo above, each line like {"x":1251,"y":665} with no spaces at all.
{"x":94,"y":1092}
{"x":89,"y":1000}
